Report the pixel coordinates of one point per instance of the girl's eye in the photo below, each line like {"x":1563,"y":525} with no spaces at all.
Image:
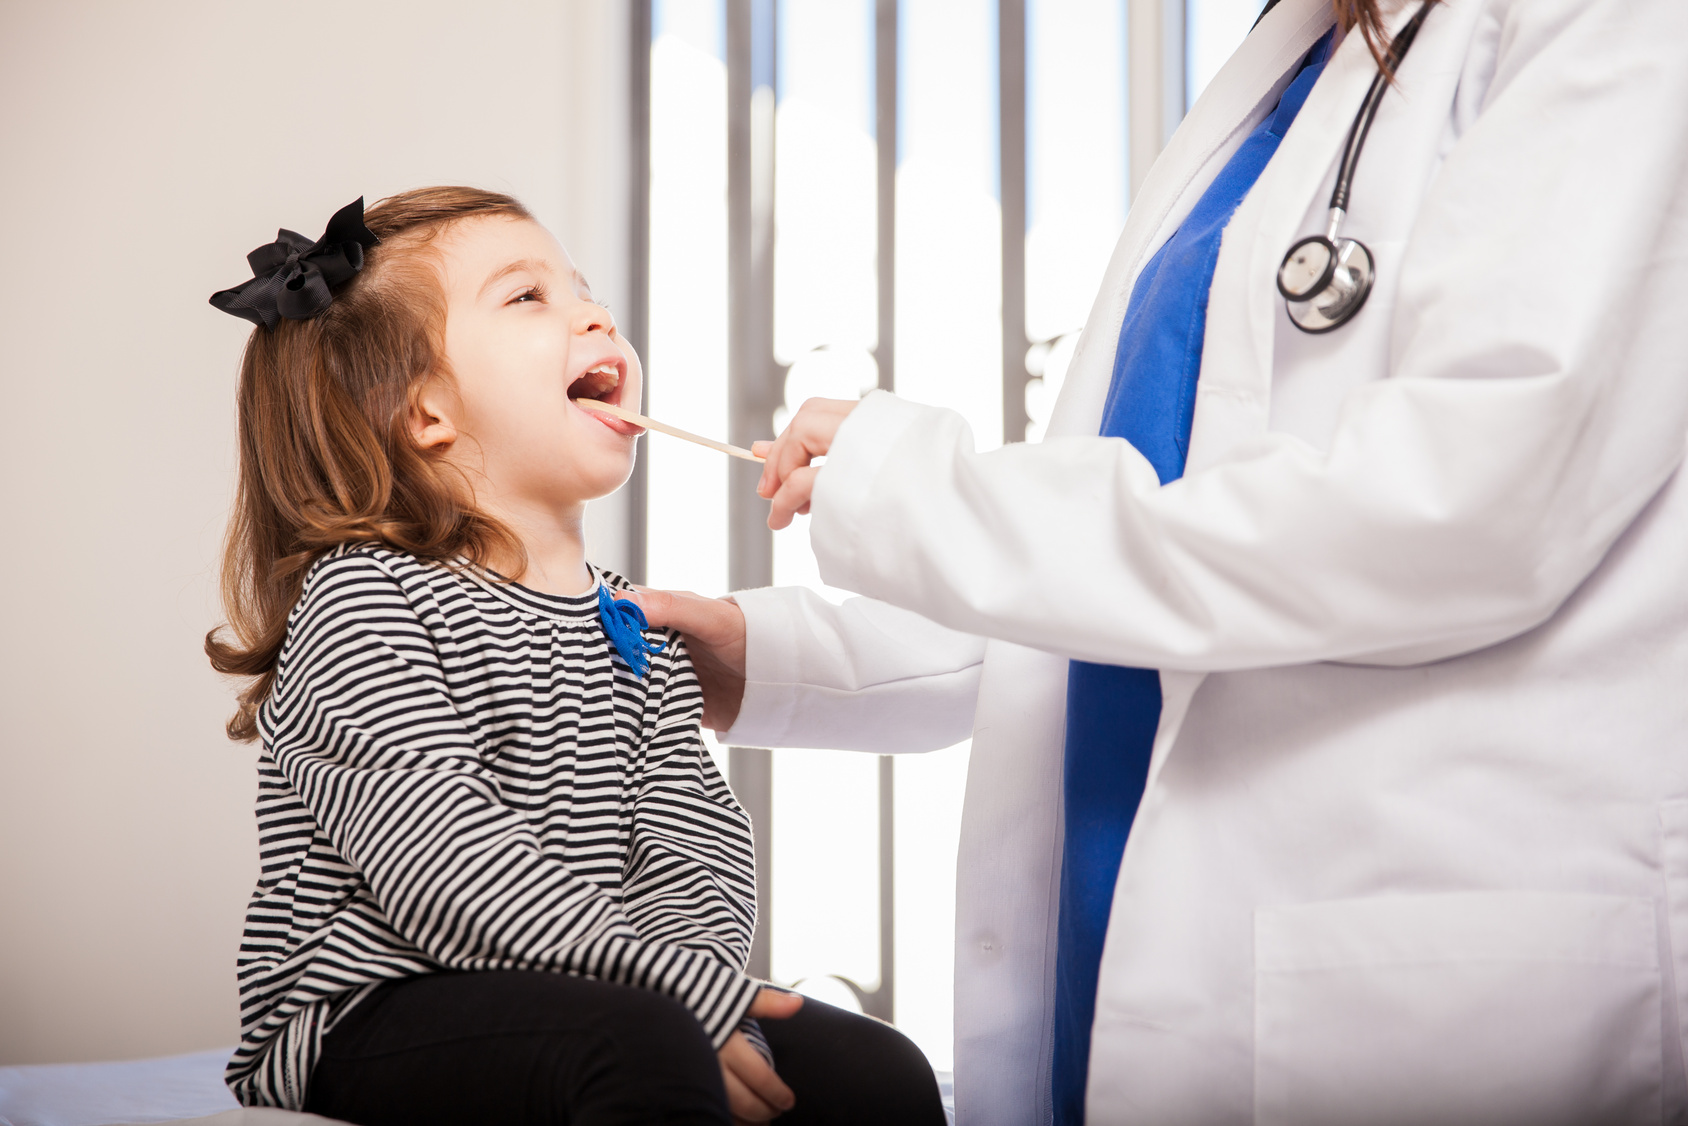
{"x":532,"y":293}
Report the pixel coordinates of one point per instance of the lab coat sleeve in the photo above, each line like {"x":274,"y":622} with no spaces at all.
{"x":1537,"y":398}
{"x":862,"y":676}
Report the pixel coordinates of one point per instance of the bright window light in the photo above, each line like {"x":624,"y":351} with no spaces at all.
{"x":1076,"y":187}
{"x":949,"y":223}
{"x":1213,"y":29}
{"x":826,"y":803}
{"x":824,"y":909}
{"x":687,"y":361}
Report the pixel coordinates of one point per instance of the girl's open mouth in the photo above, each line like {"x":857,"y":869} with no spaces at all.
{"x":600,"y":384}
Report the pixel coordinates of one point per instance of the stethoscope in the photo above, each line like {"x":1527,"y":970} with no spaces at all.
{"x":1325,"y":279}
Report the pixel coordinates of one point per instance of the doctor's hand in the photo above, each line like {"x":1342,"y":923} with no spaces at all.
{"x":714,"y":633}
{"x":788,"y":478}
{"x":755,"y":1093}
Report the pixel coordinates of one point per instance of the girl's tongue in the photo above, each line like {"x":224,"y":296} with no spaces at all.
{"x":620,"y":426}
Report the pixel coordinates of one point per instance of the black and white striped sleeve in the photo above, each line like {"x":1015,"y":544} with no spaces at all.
{"x":363,"y":727}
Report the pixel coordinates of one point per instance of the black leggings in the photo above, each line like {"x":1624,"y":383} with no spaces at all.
{"x":512,"y":1047}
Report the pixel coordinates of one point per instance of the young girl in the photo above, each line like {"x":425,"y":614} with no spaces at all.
{"x":502,"y":881}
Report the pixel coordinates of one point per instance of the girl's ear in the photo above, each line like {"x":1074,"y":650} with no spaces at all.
{"x":431,"y":410}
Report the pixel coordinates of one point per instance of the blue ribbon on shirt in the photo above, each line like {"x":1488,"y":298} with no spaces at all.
{"x":625,"y":625}
{"x":1113,"y":712}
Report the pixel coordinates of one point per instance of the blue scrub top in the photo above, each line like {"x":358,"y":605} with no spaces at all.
{"x":1114,"y":712}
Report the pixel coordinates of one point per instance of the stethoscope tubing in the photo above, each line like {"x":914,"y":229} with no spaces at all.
{"x":1368,"y":109}
{"x":1331,"y":298}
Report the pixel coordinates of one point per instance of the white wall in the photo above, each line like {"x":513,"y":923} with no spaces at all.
{"x":145,"y":148}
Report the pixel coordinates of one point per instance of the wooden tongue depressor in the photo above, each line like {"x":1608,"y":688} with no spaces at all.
{"x":652,"y":424}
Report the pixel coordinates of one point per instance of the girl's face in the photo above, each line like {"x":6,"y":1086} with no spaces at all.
{"x":530,"y":351}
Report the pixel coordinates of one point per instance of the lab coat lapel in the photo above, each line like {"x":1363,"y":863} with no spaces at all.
{"x":995,"y":943}
{"x":1234,"y":388}
{"x":1233,"y":394}
{"x":1239,"y":97}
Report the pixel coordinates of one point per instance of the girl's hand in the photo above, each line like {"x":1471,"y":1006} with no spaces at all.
{"x":788,"y":478}
{"x":714,"y":633}
{"x":754,"y":1092}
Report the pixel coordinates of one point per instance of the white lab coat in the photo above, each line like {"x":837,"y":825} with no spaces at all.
{"x":1414,"y":846}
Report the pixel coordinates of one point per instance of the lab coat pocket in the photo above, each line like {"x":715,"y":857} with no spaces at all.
{"x":1469,"y":1008}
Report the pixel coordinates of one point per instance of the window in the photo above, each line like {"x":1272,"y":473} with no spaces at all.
{"x":838,"y":195}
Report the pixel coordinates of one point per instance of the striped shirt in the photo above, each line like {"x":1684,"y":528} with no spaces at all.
{"x":458,"y":774}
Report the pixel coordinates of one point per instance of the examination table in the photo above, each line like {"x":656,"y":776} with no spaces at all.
{"x":185,"y":1090}
{"x":178,"y":1089}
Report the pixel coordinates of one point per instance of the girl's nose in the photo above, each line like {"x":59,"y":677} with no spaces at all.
{"x":593,"y":317}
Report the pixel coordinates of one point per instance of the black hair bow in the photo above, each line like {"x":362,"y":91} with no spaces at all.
{"x":294,"y":277}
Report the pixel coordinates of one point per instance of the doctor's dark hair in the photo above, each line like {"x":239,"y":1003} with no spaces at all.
{"x":1367,"y":15}
{"x":326,"y":451}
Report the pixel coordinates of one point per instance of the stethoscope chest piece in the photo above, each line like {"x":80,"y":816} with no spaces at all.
{"x":1325,"y":281}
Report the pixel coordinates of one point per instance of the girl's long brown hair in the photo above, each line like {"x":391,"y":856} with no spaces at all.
{"x":326,"y":453}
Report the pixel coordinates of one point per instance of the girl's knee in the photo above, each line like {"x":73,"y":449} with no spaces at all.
{"x":897,"y":1054}
{"x":650,"y":1061}
{"x":658,"y":1022}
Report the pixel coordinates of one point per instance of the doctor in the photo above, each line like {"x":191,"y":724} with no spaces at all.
{"x":1329,"y":689}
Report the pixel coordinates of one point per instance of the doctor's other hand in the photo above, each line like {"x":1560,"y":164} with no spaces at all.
{"x":788,"y":478}
{"x":755,"y":1092}
{"x":714,"y":633}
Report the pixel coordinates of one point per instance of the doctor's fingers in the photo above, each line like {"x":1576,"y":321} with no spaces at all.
{"x":793,"y":497}
{"x":808,"y":436}
{"x":714,"y":623}
{"x":714,"y":633}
